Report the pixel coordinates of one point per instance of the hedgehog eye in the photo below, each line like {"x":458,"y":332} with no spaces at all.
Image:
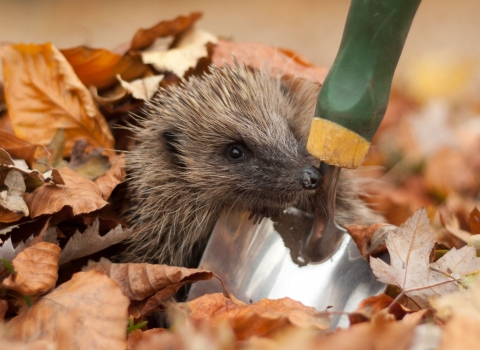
{"x":235,"y":152}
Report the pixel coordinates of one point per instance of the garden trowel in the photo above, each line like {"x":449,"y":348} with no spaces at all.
{"x":304,"y":256}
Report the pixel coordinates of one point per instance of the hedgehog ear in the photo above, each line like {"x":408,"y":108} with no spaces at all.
{"x":171,"y":139}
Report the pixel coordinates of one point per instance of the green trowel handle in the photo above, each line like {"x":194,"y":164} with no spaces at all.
{"x":354,"y":96}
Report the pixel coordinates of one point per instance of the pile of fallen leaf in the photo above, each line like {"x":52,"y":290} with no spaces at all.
{"x":61,"y":197}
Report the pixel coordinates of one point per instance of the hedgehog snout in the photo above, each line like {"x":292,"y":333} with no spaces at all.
{"x":311,"y":178}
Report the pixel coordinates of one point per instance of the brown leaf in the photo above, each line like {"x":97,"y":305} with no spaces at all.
{"x":99,"y":67}
{"x":259,"y":319}
{"x":36,"y":269}
{"x":7,"y":216}
{"x":411,"y":269}
{"x":190,"y":48}
{"x":474,"y":221}
{"x":143,"y":38}
{"x":96,"y":299}
{"x":257,"y":55}
{"x":3,"y":310}
{"x":21,"y":149}
{"x":370,"y":240}
{"x":82,"y":195}
{"x":90,"y":241}
{"x":382,"y":333}
{"x":44,"y":95}
{"x":460,"y":333}
{"x":448,"y":171}
{"x":114,"y":176}
{"x":140,"y":281}
{"x":374,"y":304}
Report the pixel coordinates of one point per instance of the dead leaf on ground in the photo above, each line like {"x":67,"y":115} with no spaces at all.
{"x":114,"y":176}
{"x":90,"y":241}
{"x":99,"y":67}
{"x":382,"y":333}
{"x":461,"y":313}
{"x":447,"y":171}
{"x":370,"y":306}
{"x":99,"y":303}
{"x":143,"y":38}
{"x":411,"y":267}
{"x":258,"y":55}
{"x":79,"y":193}
{"x":11,"y":199}
{"x":44,"y":95}
{"x":151,"y":284}
{"x":370,"y":240}
{"x":36,"y":269}
{"x":184,"y":56}
{"x":21,"y":149}
{"x":474,"y":221}
{"x":142,"y":89}
{"x":263,"y":318}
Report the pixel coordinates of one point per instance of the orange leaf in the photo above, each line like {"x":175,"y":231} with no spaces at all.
{"x":374,"y":304}
{"x":99,"y":67}
{"x":257,"y":55}
{"x":36,"y":269}
{"x":98,"y":304}
{"x":143,"y":38}
{"x":20,"y":149}
{"x":44,"y":95}
{"x":79,"y":193}
{"x":258,"y":319}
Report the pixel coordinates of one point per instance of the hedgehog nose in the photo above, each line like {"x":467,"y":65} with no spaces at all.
{"x":311,"y":178}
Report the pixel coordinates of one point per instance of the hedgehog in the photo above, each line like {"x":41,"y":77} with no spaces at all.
{"x":233,"y":139}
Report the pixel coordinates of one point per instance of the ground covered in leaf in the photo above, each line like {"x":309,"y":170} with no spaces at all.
{"x":62,"y":192}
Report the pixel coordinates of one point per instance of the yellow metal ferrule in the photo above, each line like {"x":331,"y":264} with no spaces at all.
{"x":336,"y":145}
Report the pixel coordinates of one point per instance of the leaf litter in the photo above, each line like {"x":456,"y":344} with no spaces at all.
{"x":69,"y":178}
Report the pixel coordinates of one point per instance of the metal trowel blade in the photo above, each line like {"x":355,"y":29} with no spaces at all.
{"x":262,"y":260}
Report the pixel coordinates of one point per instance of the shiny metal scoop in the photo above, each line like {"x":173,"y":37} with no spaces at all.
{"x":298,"y":255}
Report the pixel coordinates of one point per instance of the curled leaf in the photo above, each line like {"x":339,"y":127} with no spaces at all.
{"x":11,"y":199}
{"x":143,"y":38}
{"x":36,"y":269}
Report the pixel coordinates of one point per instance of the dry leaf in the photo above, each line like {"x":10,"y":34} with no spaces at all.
{"x":263,"y":318}
{"x":36,"y":269}
{"x":184,"y":56}
{"x":44,"y":95}
{"x":114,"y":176}
{"x":143,"y":38}
{"x":448,"y":171}
{"x":149,"y":283}
{"x":11,"y":199}
{"x":370,"y":240}
{"x":474,"y":221}
{"x":382,"y":333}
{"x":90,"y":241}
{"x":82,"y":195}
{"x":99,"y":67}
{"x":374,"y":304}
{"x":8,"y":252}
{"x":21,"y":149}
{"x":411,"y":268}
{"x":452,"y":225}
{"x":142,"y":89}
{"x":96,"y":299}
{"x":257,"y":55}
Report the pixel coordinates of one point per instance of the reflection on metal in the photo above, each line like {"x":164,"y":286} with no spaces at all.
{"x":254,"y":262}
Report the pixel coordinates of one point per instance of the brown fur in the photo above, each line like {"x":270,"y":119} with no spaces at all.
{"x":181,"y":176}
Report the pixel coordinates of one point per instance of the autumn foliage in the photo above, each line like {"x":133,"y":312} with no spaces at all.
{"x":62,"y":195}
